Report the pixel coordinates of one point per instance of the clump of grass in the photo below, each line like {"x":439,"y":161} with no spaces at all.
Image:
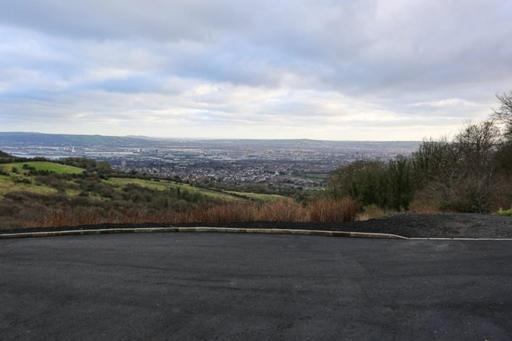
{"x":505,"y":213}
{"x":318,"y":211}
{"x":288,"y":210}
{"x":373,"y":212}
{"x":333,"y":211}
{"x":425,"y":205}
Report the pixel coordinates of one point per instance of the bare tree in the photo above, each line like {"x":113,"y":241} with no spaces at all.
{"x":504,"y":113}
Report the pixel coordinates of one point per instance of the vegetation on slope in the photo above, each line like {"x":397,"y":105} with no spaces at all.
{"x":505,"y":213}
{"x":40,"y":167}
{"x":4,"y":155}
{"x":164,"y":185}
{"x":472,"y":173}
{"x":80,"y":192}
{"x":257,"y":196}
{"x":16,"y":184}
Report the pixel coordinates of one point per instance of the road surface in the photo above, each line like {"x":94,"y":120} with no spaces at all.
{"x":253,"y":287}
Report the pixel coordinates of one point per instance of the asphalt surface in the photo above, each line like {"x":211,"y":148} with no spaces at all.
{"x":201,"y":286}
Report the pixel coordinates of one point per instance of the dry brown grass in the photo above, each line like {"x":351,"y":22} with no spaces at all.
{"x":373,"y":212}
{"x":333,"y":211}
{"x":318,"y":211}
{"x":425,"y":207}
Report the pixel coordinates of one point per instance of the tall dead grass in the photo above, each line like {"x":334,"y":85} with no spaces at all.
{"x":318,"y":211}
{"x":332,"y":211}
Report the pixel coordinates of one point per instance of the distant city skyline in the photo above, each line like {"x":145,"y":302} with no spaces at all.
{"x":389,"y":70}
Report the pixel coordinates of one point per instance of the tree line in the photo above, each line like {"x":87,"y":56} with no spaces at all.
{"x":471,"y":173}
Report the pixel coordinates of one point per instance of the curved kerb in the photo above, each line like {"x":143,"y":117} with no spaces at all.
{"x":302,"y":232}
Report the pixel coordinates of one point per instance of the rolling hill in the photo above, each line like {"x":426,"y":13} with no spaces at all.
{"x":82,"y":191}
{"x":27,"y":176}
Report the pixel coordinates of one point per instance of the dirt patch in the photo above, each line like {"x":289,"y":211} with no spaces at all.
{"x":448,"y":225}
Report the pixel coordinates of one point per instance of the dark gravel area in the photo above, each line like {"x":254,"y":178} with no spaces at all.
{"x":446,"y":225}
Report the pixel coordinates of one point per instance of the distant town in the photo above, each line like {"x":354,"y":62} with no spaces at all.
{"x":273,"y":165}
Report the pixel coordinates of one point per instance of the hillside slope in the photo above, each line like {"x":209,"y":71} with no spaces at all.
{"x":43,"y":193}
{"x":28,"y":176}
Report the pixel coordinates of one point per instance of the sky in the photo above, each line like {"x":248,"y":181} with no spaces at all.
{"x":318,"y":69}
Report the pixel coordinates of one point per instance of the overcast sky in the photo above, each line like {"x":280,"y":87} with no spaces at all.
{"x":321,"y":69}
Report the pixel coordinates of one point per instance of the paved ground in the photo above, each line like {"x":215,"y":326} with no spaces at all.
{"x":253,"y":287}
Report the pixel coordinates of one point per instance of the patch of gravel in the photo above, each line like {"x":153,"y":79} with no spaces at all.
{"x":445,"y":225}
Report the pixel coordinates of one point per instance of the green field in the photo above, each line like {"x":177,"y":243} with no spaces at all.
{"x":20,"y":181}
{"x":8,"y":184}
{"x":51,"y":167}
{"x":163,"y":185}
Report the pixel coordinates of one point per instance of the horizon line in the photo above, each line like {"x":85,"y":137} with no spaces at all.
{"x":206,"y":138}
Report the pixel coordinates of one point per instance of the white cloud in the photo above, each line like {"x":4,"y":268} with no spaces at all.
{"x":367,"y":69}
{"x":446,"y":103}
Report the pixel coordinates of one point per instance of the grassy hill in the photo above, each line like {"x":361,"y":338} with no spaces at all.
{"x":40,"y":166}
{"x":44,"y":193}
{"x":29,"y":176}
{"x":163,"y":185}
{"x":74,"y":192}
{"x":9,"y":184}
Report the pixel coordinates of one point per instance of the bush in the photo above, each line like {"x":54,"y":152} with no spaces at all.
{"x":470,"y":174}
{"x":385,"y":184}
{"x":504,"y":158}
{"x":102,"y":168}
{"x":505,"y":213}
{"x":21,"y":180}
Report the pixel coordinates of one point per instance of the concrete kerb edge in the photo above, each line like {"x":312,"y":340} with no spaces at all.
{"x":302,"y":232}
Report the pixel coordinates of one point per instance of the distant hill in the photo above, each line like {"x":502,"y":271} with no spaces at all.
{"x":27,"y":139}
{"x":41,"y":139}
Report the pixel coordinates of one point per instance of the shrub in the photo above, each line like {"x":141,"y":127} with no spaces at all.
{"x":468,"y":174}
{"x":21,"y":180}
{"x":505,"y":213}
{"x":385,"y":184}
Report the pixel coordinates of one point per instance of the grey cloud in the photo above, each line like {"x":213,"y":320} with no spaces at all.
{"x":344,"y":57}
{"x":352,"y":45}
